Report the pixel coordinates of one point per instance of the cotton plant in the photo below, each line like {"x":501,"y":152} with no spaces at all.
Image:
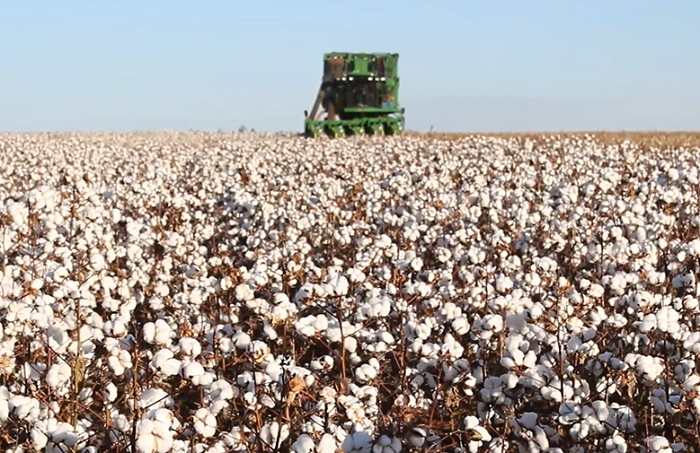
{"x":360,"y":288}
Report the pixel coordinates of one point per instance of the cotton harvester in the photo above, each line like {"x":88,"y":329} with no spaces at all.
{"x":359,"y":94}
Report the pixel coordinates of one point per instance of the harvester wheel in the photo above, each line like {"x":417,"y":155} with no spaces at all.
{"x":392,"y":129}
{"x":375,"y":129}
{"x":355,"y":129}
{"x":312,"y":131}
{"x":335,"y":131}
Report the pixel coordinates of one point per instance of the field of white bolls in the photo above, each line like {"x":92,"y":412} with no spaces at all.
{"x":212,"y":293}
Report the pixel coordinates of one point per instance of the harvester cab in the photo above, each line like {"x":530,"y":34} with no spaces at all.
{"x":359,"y":94}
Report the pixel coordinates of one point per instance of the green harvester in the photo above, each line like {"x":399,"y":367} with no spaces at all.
{"x":359,"y":95}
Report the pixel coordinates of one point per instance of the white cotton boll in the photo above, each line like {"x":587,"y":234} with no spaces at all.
{"x":244,"y":293}
{"x":120,"y":363}
{"x":350,"y":344}
{"x":305,"y":327}
{"x":259,"y":350}
{"x":158,"y":332}
{"x":222,"y":390}
{"x":165,"y":362}
{"x":110,"y":392}
{"x":23,"y":407}
{"x":58,"y":375}
{"x":387,"y":444}
{"x":272,"y":434}
{"x":596,"y":291}
{"x":510,"y":380}
{"x":365,"y":373}
{"x":528,"y":420}
{"x":648,"y":323}
{"x":493,"y":322}
{"x":333,"y":334}
{"x":356,"y":275}
{"x":190,"y":347}
{"x":4,"y":404}
{"x":337,"y":285}
{"x":226,"y":283}
{"x":204,"y":422}
{"x":417,"y":437}
{"x":504,"y":284}
{"x":153,"y":436}
{"x":205,"y":379}
{"x":303,"y":444}
{"x":97,"y":262}
{"x":530,"y":360}
{"x":551,"y":393}
{"x":692,"y":342}
{"x":39,"y":437}
{"x":667,"y":320}
{"x":541,"y":438}
{"x":472,"y":423}
{"x":241,"y":340}
{"x":269,"y":331}
{"x":153,"y":397}
{"x":650,"y":367}
{"x":320,"y":323}
{"x":116,"y":327}
{"x":164,"y":415}
{"x":461,"y":325}
{"x":659,"y":444}
{"x":536,"y":311}
{"x":422,"y":331}
{"x":192,"y":369}
{"x":358,"y":442}
{"x":694,"y":247}
{"x":327,"y":444}
{"x":60,"y":275}
{"x":37,"y":283}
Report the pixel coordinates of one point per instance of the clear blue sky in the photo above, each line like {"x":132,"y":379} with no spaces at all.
{"x":465,"y":65}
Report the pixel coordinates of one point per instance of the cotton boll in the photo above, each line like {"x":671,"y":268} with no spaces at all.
{"x":359,"y":442}
{"x":165,"y":362}
{"x":337,"y":285}
{"x":327,"y":444}
{"x":58,"y":375}
{"x":159,"y":332}
{"x":417,"y":437}
{"x":24,"y":407}
{"x":192,"y":370}
{"x":365,"y":373}
{"x":259,"y":350}
{"x":204,"y":422}
{"x":461,"y":325}
{"x":222,"y":390}
{"x":244,"y":293}
{"x":153,"y":436}
{"x":110,"y":392}
{"x":659,"y":444}
{"x":120,"y":362}
{"x":387,"y":444}
{"x":153,"y":398}
{"x":649,"y":323}
{"x":692,"y":342}
{"x":479,"y":433}
{"x":273,"y":434}
{"x":241,"y":340}
{"x":303,"y":444}
{"x":667,"y":320}
{"x":190,"y":347}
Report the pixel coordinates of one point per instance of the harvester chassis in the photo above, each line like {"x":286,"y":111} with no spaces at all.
{"x":359,"y":94}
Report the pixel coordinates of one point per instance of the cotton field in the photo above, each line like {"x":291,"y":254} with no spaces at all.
{"x":217,"y":293}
